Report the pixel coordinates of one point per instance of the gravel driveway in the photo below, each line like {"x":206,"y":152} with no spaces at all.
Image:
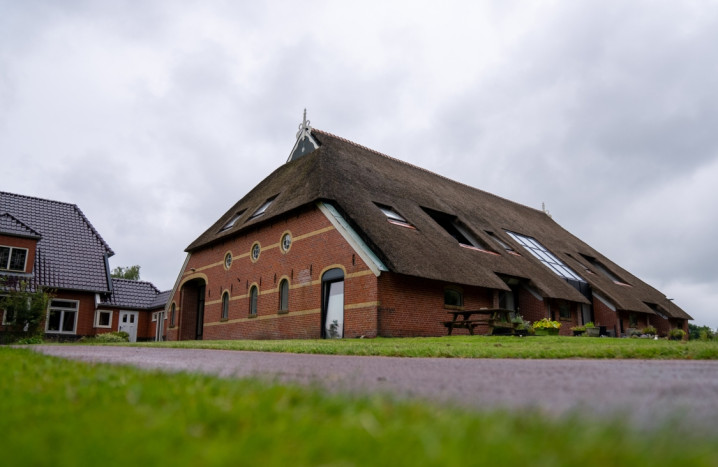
{"x":645,"y":391}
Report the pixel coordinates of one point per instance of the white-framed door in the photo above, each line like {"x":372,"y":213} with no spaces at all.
{"x":128,"y":323}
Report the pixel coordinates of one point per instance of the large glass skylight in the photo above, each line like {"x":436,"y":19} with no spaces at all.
{"x":545,"y":256}
{"x":263,"y":207}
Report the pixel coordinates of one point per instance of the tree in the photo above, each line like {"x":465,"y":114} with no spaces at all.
{"x":25,"y":309}
{"x":700,"y":332}
{"x":130,"y":272}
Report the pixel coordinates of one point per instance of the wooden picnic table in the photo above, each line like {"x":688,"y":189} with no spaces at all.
{"x":493,"y":317}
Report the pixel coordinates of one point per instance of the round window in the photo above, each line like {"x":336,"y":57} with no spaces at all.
{"x":228,"y":260}
{"x":286,"y":241}
{"x":256,"y":249}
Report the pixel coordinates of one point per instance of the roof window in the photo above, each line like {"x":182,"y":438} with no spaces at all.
{"x":263,"y":207}
{"x":503,"y":244}
{"x":545,"y":256}
{"x":393,"y":217}
{"x":456,"y":229}
{"x":604,"y":270}
{"x":232,"y":221}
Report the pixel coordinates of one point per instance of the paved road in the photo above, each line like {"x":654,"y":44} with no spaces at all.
{"x":645,"y":391}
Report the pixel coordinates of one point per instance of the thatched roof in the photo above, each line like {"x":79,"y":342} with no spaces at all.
{"x":355,"y":179}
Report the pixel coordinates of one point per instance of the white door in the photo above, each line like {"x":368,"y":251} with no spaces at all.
{"x":160,"y":326}
{"x":334,"y":324}
{"x":128,"y":324}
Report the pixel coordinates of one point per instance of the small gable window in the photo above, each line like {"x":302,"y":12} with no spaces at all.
{"x":393,"y":216}
{"x":228,"y":260}
{"x":225,"y":305}
{"x":284,"y":295}
{"x":12,"y":259}
{"x":453,"y":298}
{"x":263,"y":208}
{"x":253,"y":292}
{"x":230,"y":223}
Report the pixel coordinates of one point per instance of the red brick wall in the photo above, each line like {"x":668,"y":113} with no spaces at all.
{"x":531,"y":308}
{"x":604,"y":316}
{"x":412,"y":306}
{"x":316,"y":247}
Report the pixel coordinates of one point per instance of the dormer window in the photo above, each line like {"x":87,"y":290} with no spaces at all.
{"x":604,"y":270}
{"x":457,"y":230}
{"x":545,"y":256}
{"x":232,"y":221}
{"x":263,"y":207}
{"x":503,"y":244}
{"x":12,"y":258}
{"x":393,"y":217}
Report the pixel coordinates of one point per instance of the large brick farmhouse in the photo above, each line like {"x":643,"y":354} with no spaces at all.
{"x":51,"y":244}
{"x":342,"y":241}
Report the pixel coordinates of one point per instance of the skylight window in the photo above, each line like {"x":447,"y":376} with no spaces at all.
{"x":232,"y":221}
{"x":545,"y":256}
{"x":454,"y":228}
{"x":393,"y":216}
{"x":503,"y":244}
{"x":263,"y":207}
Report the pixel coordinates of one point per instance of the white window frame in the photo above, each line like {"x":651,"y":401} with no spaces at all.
{"x":154,"y":316}
{"x":62,"y":310}
{"x":97,"y":319}
{"x":6,"y":267}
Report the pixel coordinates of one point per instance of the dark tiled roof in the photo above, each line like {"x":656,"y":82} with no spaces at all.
{"x":11,"y":226}
{"x":136,"y":295}
{"x":354,"y":178}
{"x":71,"y":254}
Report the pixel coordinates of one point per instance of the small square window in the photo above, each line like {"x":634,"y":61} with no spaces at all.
{"x":103,"y":319}
{"x":453,"y":298}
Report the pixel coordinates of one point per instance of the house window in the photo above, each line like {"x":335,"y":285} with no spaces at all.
{"x":393,"y":217}
{"x":545,"y":256}
{"x":632,"y":320}
{"x":230,"y":223}
{"x":284,"y":295}
{"x":228,"y":260}
{"x":253,"y":301}
{"x":564,"y":310}
{"x":255,"y":251}
{"x":501,"y":243}
{"x":457,"y":230}
{"x":62,"y":317}
{"x":604,"y":270}
{"x":154,"y":316}
{"x":8,"y":315}
{"x":103,"y":319}
{"x":13,"y":259}
{"x":172,"y":315}
{"x":453,"y":298}
{"x":286,"y":242}
{"x":225,"y":305}
{"x":263,"y":208}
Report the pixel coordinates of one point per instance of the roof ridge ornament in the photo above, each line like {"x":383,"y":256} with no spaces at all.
{"x":305,"y":141}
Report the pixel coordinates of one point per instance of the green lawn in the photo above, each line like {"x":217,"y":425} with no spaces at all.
{"x":56,"y":412}
{"x":476,"y":347}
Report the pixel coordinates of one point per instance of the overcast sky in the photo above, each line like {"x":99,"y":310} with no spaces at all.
{"x":154,"y":117}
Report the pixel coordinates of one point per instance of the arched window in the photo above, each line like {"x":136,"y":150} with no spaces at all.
{"x":225,"y":305}
{"x":284,"y":295}
{"x":253,"y":301}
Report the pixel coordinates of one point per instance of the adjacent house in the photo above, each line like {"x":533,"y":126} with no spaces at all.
{"x":343,"y":241}
{"x":52,"y":244}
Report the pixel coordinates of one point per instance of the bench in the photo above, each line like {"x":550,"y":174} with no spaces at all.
{"x":469,"y":324}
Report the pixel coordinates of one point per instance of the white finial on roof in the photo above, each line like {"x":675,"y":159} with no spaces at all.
{"x":543,"y":208}
{"x":305,"y":141}
{"x":304,"y":127}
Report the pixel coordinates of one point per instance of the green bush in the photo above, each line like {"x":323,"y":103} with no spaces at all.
{"x":650,"y":330}
{"x":676,"y":334}
{"x":108,"y":337}
{"x":29,"y":340}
